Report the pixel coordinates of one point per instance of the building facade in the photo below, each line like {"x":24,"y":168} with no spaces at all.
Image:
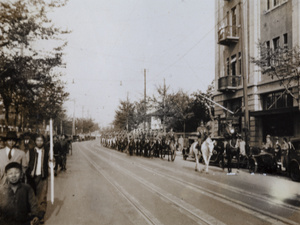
{"x":241,"y":25}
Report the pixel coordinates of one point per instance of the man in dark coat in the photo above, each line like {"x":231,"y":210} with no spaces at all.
{"x":38,"y":170}
{"x":64,"y":150}
{"x":131,"y":146}
{"x":57,"y":151}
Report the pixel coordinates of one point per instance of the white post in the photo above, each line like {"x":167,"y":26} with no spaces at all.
{"x":51,"y":162}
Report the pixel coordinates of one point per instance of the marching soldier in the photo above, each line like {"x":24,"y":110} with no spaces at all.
{"x":131,"y":146}
{"x":147,"y":148}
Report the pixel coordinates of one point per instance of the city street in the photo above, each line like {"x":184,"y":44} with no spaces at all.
{"x":104,"y":186}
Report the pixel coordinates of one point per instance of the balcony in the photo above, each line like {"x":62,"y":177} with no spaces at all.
{"x":229,"y":83}
{"x":228,"y":35}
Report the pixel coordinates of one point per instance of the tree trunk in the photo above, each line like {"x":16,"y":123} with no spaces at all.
{"x":184,"y":129}
{"x":6,"y":106}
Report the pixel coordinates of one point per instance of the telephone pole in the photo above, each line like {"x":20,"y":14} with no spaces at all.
{"x":73,"y":122}
{"x":164,"y":103}
{"x":145,"y":104}
{"x":127,"y":109}
{"x":244,"y":43}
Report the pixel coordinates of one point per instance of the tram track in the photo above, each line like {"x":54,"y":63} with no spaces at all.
{"x":148,"y":217}
{"x":224,"y":186}
{"x":266,"y":216}
{"x":190,"y":211}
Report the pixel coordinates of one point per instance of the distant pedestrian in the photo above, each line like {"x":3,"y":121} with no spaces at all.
{"x":64,"y":150}
{"x":269,"y":145}
{"x":57,"y":153}
{"x":180,"y":143}
{"x":18,"y":204}
{"x":11,"y":154}
{"x":228,"y":150}
{"x":241,"y":144}
{"x":277,"y":149}
{"x":284,"y":154}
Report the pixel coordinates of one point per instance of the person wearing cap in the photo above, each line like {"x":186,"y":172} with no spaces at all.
{"x":11,"y":154}
{"x":277,"y":149}
{"x":18,"y":204}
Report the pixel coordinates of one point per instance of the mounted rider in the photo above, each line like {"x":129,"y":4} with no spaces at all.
{"x":202,"y":134}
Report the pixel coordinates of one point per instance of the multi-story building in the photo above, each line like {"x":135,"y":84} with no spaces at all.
{"x":241,"y":25}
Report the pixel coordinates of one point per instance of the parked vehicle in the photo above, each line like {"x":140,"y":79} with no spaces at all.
{"x":186,"y":149}
{"x":76,"y":138}
{"x":261,"y":161}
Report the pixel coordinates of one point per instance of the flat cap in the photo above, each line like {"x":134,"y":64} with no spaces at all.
{"x":13,"y":165}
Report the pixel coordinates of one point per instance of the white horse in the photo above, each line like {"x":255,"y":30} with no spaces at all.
{"x":207,"y":148}
{"x":194,"y":151}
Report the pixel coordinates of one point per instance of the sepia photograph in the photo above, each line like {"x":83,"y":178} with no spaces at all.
{"x":163,"y":112}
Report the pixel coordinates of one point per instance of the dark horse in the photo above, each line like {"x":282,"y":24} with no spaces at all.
{"x":168,"y":147}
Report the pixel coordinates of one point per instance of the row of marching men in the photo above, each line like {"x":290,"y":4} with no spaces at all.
{"x":141,"y":145}
{"x":23,"y":178}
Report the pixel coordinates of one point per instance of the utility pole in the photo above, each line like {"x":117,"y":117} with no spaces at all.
{"x":127,"y":110}
{"x":73,"y":122}
{"x":145,"y":104}
{"x":82,"y":119}
{"x":244,"y":43}
{"x":164,"y":103}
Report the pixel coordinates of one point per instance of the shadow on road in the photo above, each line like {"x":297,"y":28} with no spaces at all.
{"x":294,"y":202}
{"x":55,"y":207}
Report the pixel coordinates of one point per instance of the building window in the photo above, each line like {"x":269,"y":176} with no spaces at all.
{"x":272,"y":4}
{"x":285,"y":40}
{"x":268,"y":52}
{"x":276,"y":43}
{"x":233,"y":65}
{"x":227,"y":67}
{"x":277,"y":100}
{"x":233,"y":21}
{"x":240,"y":63}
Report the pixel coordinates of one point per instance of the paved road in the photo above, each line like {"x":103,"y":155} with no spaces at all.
{"x":104,"y":186}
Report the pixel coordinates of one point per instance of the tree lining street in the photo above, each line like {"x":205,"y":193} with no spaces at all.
{"x":104,"y":186}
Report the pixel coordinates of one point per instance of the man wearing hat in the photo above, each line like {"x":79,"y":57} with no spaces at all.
{"x":27,"y":144}
{"x":18,"y":204}
{"x":11,"y":154}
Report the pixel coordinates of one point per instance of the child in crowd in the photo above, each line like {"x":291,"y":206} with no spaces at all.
{"x":18,"y":204}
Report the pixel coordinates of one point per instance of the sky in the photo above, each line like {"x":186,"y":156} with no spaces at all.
{"x":112,"y":42}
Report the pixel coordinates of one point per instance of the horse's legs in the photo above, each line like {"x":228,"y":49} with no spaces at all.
{"x":197,"y":161}
{"x":205,"y":157}
{"x":208,"y":159}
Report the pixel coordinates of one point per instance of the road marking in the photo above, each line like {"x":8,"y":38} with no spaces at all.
{"x":274,"y":219}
